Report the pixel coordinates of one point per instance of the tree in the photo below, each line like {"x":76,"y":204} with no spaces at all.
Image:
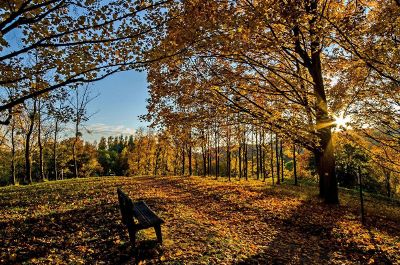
{"x":79,"y":102}
{"x":283,"y":61}
{"x":79,"y":42}
{"x":28,"y":133}
{"x":61,"y":114}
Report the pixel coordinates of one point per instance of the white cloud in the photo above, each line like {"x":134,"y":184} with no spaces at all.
{"x":95,"y":131}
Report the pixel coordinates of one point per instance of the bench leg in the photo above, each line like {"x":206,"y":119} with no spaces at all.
{"x":132,"y":235}
{"x":157,"y":228}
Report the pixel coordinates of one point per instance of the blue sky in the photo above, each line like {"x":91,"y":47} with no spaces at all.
{"x":122,"y":98}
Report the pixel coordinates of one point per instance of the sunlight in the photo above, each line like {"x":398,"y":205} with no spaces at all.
{"x":341,"y":121}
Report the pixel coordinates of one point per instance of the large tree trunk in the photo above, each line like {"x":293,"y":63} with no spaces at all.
{"x":325,"y":159}
{"x":324,"y":154}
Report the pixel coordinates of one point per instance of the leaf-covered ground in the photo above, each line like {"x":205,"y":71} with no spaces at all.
{"x":206,"y":222}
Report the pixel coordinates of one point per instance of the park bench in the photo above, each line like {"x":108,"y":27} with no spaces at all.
{"x":138,"y":216}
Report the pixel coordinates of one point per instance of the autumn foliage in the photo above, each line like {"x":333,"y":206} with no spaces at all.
{"x":207,"y":222}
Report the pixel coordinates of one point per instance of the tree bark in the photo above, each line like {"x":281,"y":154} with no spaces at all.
{"x":190,"y":159}
{"x":183,"y":160}
{"x":294,"y":165}
{"x":74,"y":148}
{"x":278,"y":179}
{"x":28,"y":169}
{"x":324,"y":155}
{"x":257,"y":158}
{"x":272,"y":159}
{"x":40,"y":145}
{"x":55,"y":149}
{"x":13,"y":178}
{"x":282,"y":161}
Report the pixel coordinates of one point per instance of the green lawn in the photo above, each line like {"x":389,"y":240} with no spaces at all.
{"x":206,"y":222}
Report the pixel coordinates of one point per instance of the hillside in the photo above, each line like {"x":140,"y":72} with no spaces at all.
{"x":208,"y":221}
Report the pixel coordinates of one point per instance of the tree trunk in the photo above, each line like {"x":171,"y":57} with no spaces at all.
{"x":272,"y":159}
{"x":263,"y":156}
{"x":325,"y":153}
{"x":13,"y":178}
{"x":183,"y":160}
{"x":240,"y":159}
{"x":387,"y":180}
{"x":245,"y":159}
{"x":28,"y":169}
{"x":75,"y":142}
{"x":228,"y":154}
{"x":203,"y":152}
{"x":282,"y":161}
{"x":55,"y":150}
{"x":278,"y":179}
{"x":257,"y":158}
{"x":294,"y":165}
{"x":190,"y":159}
{"x":41,"y":168}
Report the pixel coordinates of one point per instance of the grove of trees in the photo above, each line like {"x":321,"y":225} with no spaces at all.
{"x":246,"y":89}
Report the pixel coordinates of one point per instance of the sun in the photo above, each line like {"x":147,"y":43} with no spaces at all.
{"x":341,"y":121}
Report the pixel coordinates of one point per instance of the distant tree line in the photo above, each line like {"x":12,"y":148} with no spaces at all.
{"x":231,"y":151}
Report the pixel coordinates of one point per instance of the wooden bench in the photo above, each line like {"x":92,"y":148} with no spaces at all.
{"x":137,"y":216}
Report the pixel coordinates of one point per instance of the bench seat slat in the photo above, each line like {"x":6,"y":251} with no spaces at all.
{"x":145,"y":216}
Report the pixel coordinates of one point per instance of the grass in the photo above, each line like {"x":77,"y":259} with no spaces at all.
{"x":208,"y":221}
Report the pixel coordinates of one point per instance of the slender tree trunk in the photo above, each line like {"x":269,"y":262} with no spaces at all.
{"x":282,"y":161}
{"x":209,"y":153}
{"x":252,"y":150}
{"x":74,"y":147}
{"x":190,"y":159}
{"x":387,"y":180}
{"x":228,"y":154}
{"x":216,"y":152}
{"x":240,"y":160}
{"x":361,"y":196}
{"x":55,"y":150}
{"x":245,"y":159}
{"x":183,"y":160}
{"x":28,"y":169}
{"x":203,"y":152}
{"x":13,"y":178}
{"x":294,"y":165}
{"x":257,"y":158}
{"x":272,"y":158}
{"x":40,"y":145}
{"x":263,"y":156}
{"x":278,"y":179}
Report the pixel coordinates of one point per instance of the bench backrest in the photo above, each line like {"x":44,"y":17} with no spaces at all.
{"x":126,"y":207}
